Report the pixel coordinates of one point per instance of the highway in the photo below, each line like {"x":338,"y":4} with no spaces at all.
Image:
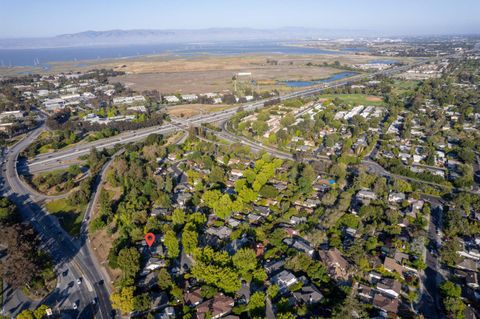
{"x":71,"y":257}
{"x":58,"y":159}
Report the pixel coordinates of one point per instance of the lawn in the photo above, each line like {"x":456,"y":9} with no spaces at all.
{"x":357,"y":99}
{"x":404,"y":86}
{"x":70,"y":217}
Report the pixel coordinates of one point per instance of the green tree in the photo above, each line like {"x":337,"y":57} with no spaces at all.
{"x":189,"y":238}
{"x":448,"y":252}
{"x":351,"y":308}
{"x":256,"y":304}
{"x":26,"y":314}
{"x":171,"y":243}
{"x":452,"y":301}
{"x":245,"y":261}
{"x":178,"y":217}
{"x":164,"y":279}
{"x":40,"y":312}
{"x":129,"y":262}
{"x":124,"y":300}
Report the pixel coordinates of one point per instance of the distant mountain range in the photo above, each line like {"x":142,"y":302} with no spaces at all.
{"x":131,"y":37}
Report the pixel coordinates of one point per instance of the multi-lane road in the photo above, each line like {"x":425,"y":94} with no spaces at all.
{"x":73,"y":257}
{"x":64,"y":157}
{"x":81,"y":291}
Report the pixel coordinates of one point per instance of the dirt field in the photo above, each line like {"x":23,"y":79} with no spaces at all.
{"x":214,"y":74}
{"x":102,"y":241}
{"x":189,"y":110}
{"x":373,"y":98}
{"x":201,"y":74}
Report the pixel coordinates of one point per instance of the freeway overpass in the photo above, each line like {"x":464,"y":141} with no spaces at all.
{"x":71,"y":256}
{"x":60,"y":158}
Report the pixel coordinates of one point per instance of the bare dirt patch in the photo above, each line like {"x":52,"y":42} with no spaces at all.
{"x":373,"y":98}
{"x":102,"y":243}
{"x":189,"y":110}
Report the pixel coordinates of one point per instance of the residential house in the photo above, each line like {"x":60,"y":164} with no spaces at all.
{"x":365,"y":293}
{"x":167,"y":313}
{"x":472,"y":280}
{"x":284,"y":279}
{"x":338,"y":267}
{"x":467,"y":264}
{"x":220,"y":232}
{"x":391,"y":265}
{"x":299,"y":244}
{"x":254,"y":219}
{"x":365,"y":196}
{"x":386,"y":304}
{"x":193,"y":298}
{"x":396,"y":197}
{"x":234,"y":223}
{"x":155,"y":263}
{"x":274,"y":266}
{"x":236,"y":244}
{"x":294,"y":220}
{"x":308,"y":295}
{"x":158,"y":300}
{"x":390,"y":287}
{"x":215,"y":308}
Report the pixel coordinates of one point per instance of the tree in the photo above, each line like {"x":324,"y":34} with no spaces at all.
{"x":256,"y":305}
{"x":286,"y":315}
{"x":268,"y":191}
{"x":141,"y":302}
{"x":171,"y":243}
{"x":124,"y":300}
{"x":217,"y":175}
{"x":272,"y":291}
{"x":178,"y":217}
{"x":448,"y":252}
{"x":129,"y":262}
{"x":215,"y":268}
{"x":189,"y":238}
{"x":351,"y":308}
{"x":26,"y":314}
{"x":402,"y":186}
{"x":40,"y":312}
{"x":450,"y":289}
{"x":21,"y":264}
{"x":245,"y":261}
{"x":7,"y":210}
{"x":164,"y":279}
{"x":452,"y":302}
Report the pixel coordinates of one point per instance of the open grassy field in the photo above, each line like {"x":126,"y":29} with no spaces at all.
{"x":356,"y":99}
{"x":404,"y":86}
{"x":70,"y":217}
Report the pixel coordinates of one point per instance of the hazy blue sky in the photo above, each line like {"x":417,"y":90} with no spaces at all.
{"x":25,"y":18}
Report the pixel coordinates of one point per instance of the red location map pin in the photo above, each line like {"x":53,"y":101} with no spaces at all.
{"x":149,"y":238}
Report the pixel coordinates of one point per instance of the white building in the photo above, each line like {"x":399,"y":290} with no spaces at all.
{"x":189,"y":97}
{"x":11,"y":115}
{"x":171,"y":99}
{"x":128,"y":99}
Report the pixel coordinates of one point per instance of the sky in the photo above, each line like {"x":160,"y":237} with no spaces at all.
{"x":39,"y":18}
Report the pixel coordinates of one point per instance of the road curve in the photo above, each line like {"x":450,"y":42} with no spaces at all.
{"x":68,"y":254}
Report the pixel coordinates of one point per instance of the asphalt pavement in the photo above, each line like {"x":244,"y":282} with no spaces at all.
{"x":71,"y":256}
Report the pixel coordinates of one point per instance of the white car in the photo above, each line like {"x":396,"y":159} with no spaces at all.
{"x":79,"y":281}
{"x":75,"y":306}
